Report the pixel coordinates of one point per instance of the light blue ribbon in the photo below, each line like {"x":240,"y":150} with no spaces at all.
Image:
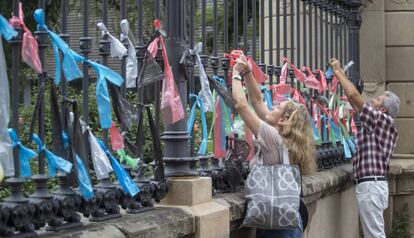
{"x":70,"y":57}
{"x":72,"y":71}
{"x":329,"y":73}
{"x":225,"y":111}
{"x":65,"y":139}
{"x":267,"y":96}
{"x":127,"y":184}
{"x":6,"y":30}
{"x":54,"y":161}
{"x":102,"y":94}
{"x":316,"y":134}
{"x":190,"y":123}
{"x":324,"y":127}
{"x":25,"y":154}
{"x":85,"y":184}
{"x":336,"y":130}
{"x":347,"y":150}
{"x":351,"y":144}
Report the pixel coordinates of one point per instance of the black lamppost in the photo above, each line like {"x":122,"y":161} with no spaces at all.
{"x":176,"y":154}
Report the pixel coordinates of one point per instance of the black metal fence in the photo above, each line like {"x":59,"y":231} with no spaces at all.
{"x":308,"y":32}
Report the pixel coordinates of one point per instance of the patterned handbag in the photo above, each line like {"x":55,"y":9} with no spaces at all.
{"x":273,"y":195}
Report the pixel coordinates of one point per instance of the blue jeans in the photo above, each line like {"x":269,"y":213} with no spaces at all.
{"x":280,"y":233}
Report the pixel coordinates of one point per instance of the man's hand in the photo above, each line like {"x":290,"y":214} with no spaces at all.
{"x":336,"y":65}
{"x":351,"y":92}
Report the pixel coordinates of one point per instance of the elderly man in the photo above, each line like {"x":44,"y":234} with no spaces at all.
{"x":376,"y":142}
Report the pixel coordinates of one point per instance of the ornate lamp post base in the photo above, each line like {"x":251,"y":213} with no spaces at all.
{"x":16,"y":212}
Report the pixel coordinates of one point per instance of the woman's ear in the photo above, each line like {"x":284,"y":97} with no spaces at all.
{"x":384,"y":110}
{"x":282,"y":121}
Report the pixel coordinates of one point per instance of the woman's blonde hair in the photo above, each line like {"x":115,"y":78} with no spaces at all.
{"x":298,"y":135}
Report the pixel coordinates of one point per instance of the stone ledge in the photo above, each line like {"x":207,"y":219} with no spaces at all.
{"x":401,"y":165}
{"x":160,"y":222}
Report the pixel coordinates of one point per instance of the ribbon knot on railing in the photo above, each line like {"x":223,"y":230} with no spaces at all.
{"x":54,"y":161}
{"x":116,"y":47}
{"x":30,"y":48}
{"x":25,"y":154}
{"x":70,"y":58}
{"x":132,"y":64}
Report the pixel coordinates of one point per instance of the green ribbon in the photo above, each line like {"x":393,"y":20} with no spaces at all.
{"x":128,"y":160}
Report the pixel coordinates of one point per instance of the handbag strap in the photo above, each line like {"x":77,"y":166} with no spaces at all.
{"x":286,"y":161}
{"x":285,"y":157}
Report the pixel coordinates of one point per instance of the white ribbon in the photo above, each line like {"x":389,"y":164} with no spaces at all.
{"x":117,"y":48}
{"x":205,"y":92}
{"x":132,"y":64}
{"x":6,"y":153}
{"x":100,"y":161}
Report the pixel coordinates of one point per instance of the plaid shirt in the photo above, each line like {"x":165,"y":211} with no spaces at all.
{"x":375,"y":141}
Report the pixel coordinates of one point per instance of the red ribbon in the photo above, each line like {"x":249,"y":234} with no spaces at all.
{"x":334,"y":84}
{"x":257,"y":72}
{"x":117,"y":139}
{"x":322,"y":79}
{"x":311,"y":81}
{"x":283,"y":74}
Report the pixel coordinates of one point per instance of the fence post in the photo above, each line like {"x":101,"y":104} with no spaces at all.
{"x":176,"y":154}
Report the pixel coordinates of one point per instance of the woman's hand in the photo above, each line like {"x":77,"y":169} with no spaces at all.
{"x":241,"y":65}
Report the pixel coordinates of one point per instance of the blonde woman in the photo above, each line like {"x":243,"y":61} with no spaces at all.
{"x":288,"y":124}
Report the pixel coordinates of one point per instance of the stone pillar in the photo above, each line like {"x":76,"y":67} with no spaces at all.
{"x":194,"y":195}
{"x":372,"y":48}
{"x":399,"y":46}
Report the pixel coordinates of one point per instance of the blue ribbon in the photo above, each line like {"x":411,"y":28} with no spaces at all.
{"x":65,"y":139}
{"x":102,"y":94}
{"x":127,"y":184}
{"x":329,"y":73}
{"x":71,"y":71}
{"x":6,"y":30}
{"x":225,"y":111}
{"x":351,"y":144}
{"x":85,"y":184}
{"x":323,"y":127}
{"x":316,"y":134}
{"x":70,"y":57}
{"x":25,"y":154}
{"x":267,"y":96}
{"x":347,"y":150}
{"x":190,"y":123}
{"x":335,"y":129}
{"x":54,"y":161}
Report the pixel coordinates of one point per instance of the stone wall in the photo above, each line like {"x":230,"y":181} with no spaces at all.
{"x":329,"y":196}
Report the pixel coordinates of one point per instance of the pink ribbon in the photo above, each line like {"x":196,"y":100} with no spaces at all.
{"x":311,"y":81}
{"x":171,"y":105}
{"x":30,"y":48}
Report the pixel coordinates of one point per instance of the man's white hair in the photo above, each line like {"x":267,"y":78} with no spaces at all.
{"x":391,"y":103}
